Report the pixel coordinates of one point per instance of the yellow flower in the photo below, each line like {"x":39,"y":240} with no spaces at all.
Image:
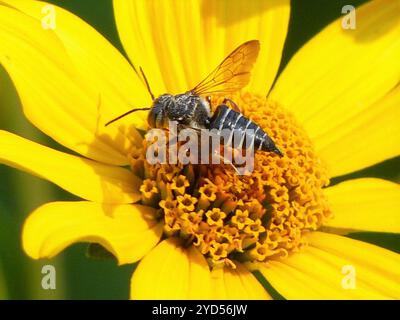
{"x":333,"y":110}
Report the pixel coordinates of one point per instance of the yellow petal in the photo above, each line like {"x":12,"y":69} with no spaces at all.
{"x":338,"y":75}
{"x":190,"y":38}
{"x":325,"y":270}
{"x":369,"y":138}
{"x":171,"y":272}
{"x":98,"y":62}
{"x":128,"y":231}
{"x":237,"y":284}
{"x":85,"y":178}
{"x":365,"y":205}
{"x":73,"y":81}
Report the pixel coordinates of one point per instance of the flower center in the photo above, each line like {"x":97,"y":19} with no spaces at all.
{"x":231,"y":217}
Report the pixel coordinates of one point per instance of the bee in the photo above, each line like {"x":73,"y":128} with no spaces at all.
{"x":192,"y":109}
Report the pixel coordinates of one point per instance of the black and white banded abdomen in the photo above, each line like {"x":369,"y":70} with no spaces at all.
{"x":228,"y":119}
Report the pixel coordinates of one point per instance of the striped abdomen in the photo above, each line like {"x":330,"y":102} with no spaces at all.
{"x":228,"y":119}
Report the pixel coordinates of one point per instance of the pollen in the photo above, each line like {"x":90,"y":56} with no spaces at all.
{"x":257,"y":217}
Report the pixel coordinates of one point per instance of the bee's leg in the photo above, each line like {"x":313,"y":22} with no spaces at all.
{"x":233,"y":104}
{"x":223,"y":159}
{"x":198,"y":133}
{"x":208,"y":99}
{"x":182,"y":126}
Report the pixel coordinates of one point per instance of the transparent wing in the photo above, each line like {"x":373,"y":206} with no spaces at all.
{"x":233,"y":73}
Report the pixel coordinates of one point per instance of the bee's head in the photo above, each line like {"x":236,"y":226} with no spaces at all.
{"x":157,"y":117}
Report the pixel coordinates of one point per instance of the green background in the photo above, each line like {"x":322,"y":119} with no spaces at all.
{"x":20,"y":193}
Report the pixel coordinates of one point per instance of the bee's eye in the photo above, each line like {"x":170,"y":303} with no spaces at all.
{"x":151,"y":118}
{"x":156,"y":116}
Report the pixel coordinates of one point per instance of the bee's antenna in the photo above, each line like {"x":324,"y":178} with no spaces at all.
{"x":146,"y":83}
{"x":125,"y":114}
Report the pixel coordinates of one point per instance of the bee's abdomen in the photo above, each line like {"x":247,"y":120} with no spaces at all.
{"x":225,"y":118}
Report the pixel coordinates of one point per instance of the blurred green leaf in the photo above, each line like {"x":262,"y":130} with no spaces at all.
{"x":98,"y":252}
{"x":3,"y":288}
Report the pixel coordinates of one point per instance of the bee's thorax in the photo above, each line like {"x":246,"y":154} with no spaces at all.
{"x":186,"y":109}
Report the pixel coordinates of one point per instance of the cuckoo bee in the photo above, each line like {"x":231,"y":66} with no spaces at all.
{"x":192,"y":109}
